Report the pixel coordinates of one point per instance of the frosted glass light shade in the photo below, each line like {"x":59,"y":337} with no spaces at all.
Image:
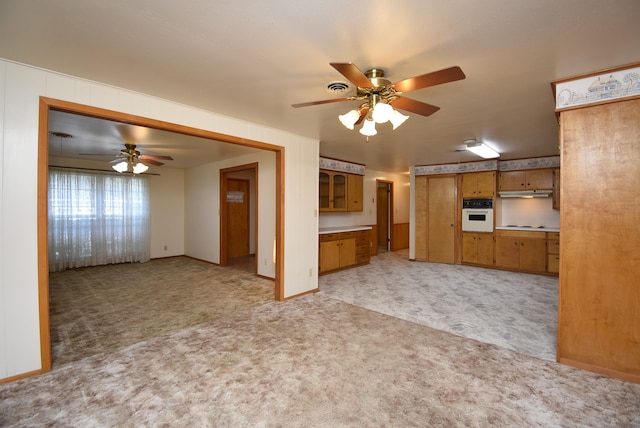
{"x":482,"y":150}
{"x":382,"y":113}
{"x":369,"y":128}
{"x":397,"y":119}
{"x":139,"y":168}
{"x":350,"y":118}
{"x":121,"y":166}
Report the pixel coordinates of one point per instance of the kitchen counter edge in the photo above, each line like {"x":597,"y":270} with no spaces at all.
{"x":324,"y":230}
{"x":530,"y":229}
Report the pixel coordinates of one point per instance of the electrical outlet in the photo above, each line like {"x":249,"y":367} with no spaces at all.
{"x":265,"y":262}
{"x":310,"y":272}
{"x":165,"y":248}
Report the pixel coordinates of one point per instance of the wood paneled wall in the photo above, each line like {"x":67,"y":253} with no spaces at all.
{"x":400,"y":235}
{"x":599,"y":299}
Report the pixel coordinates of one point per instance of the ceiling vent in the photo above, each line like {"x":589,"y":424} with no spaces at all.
{"x":337,"y":87}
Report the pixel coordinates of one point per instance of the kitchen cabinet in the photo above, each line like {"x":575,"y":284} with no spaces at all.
{"x":477,"y":248}
{"x":556,"y":189}
{"x":521,"y":250}
{"x":354,"y":192}
{"x":343,"y":249}
{"x":479,"y":184}
{"x":531,"y":179}
{"x":340,"y":191}
{"x":553,"y":252}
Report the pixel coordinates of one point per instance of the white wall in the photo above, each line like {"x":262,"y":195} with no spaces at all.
{"x":20,"y":89}
{"x":202,"y":202}
{"x":526,"y":212}
{"x":401,"y":190}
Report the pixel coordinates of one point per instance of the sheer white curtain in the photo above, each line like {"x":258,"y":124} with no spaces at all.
{"x":97,"y":219}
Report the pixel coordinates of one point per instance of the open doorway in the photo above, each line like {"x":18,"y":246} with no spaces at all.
{"x":238,"y":217}
{"x":384,"y":214}
{"x":48,"y":104}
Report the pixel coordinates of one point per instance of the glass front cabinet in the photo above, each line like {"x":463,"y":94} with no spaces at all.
{"x":333,"y":191}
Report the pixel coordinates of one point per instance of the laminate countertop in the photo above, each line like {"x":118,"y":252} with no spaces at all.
{"x":339,"y":229}
{"x":529,"y":229}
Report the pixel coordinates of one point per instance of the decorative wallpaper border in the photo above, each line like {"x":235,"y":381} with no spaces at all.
{"x":341,"y":166}
{"x":532,"y":163}
{"x":490,"y":165}
{"x":605,"y":86}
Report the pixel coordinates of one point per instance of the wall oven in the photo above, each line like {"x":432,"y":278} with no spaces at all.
{"x":477,"y":215}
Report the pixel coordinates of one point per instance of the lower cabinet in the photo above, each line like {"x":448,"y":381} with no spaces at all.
{"x":521,"y":250}
{"x":477,"y":248}
{"x":553,"y":252}
{"x":343,"y":249}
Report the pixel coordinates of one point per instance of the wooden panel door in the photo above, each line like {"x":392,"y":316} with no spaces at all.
{"x":237,"y":218}
{"x":442,"y":217}
{"x":533,"y":255}
{"x":347,"y":252}
{"x":486,"y":183}
{"x":329,"y":255}
{"x":422,"y":232}
{"x":507,"y":252}
{"x":354,"y":192}
{"x":485,"y":249}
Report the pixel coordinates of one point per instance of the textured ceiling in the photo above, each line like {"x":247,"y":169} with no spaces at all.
{"x":253,"y":59}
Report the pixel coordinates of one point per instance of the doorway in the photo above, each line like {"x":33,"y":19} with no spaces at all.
{"x":441,"y":219}
{"x":47,"y":104}
{"x":238,"y":216}
{"x":384,"y":214}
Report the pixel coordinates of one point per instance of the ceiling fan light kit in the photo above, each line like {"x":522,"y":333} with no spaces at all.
{"x":379,"y":96}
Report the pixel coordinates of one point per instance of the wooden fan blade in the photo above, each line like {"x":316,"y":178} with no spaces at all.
{"x":313,"y":103}
{"x":151,"y":161}
{"x":430,"y":79}
{"x":363,"y":114}
{"x":155,"y":157}
{"x":414,"y":106}
{"x":353,"y":74}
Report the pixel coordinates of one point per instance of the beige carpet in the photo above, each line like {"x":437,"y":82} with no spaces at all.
{"x":317,"y":362}
{"x":104,"y":308}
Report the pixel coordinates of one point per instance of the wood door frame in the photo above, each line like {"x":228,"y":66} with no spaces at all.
{"x":390,"y":223}
{"x":224,"y":239}
{"x":45,"y":105}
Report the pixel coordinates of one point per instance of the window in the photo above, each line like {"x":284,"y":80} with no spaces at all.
{"x":97,"y":219}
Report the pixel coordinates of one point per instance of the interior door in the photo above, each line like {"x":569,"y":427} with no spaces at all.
{"x":442,"y":215}
{"x":237,"y":218}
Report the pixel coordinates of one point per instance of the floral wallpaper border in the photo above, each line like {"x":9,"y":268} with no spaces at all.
{"x":455,"y":168}
{"x":532,"y":163}
{"x":341,"y":166}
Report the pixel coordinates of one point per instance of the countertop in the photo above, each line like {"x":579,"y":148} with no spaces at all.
{"x":529,"y":229}
{"x":339,"y":229}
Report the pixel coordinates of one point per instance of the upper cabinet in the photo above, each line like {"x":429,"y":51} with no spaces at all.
{"x":340,"y":191}
{"x":533,"y":179}
{"x":479,"y":184}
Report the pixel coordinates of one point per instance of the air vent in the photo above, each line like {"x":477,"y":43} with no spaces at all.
{"x":337,"y":88}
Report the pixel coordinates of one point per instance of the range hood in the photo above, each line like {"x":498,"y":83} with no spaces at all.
{"x":525,"y":194}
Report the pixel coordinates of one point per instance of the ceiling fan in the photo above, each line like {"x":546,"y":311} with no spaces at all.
{"x":131,"y":157}
{"x":380,"y":95}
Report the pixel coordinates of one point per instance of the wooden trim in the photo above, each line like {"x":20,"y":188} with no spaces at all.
{"x":295,"y":296}
{"x":629,"y":377}
{"x":20,"y":376}
{"x":47,"y":104}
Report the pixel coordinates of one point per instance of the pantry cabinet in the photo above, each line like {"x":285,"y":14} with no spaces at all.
{"x":479,"y":184}
{"x":339,"y":191}
{"x":521,"y":250}
{"x":533,"y":179}
{"x":343,"y":249}
{"x":477,"y":248}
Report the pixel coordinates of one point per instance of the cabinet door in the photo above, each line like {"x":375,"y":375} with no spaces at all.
{"x":556,"y":189}
{"x":329,"y":255}
{"x":539,"y":179}
{"x":485,"y":249}
{"x":507,"y":252}
{"x":486,"y":183}
{"x":469,"y":185}
{"x":533,"y":255}
{"x":347,"y":252}
{"x":339,"y":187}
{"x":469,"y":247}
{"x":512,"y":180}
{"x":354,"y":192}
{"x":324,"y":180}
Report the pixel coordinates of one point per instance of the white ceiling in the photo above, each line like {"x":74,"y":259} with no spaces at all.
{"x":253,"y":59}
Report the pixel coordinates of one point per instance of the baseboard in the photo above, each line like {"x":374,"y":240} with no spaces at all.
{"x":629,"y":377}
{"x":20,"y":376}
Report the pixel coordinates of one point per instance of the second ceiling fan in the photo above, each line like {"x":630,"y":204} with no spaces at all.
{"x":379,"y":95}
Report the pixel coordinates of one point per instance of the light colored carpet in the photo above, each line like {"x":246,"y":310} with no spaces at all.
{"x":104,"y":308}
{"x":513,"y":310}
{"x":317,"y":362}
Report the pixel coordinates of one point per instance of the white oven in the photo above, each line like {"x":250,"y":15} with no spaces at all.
{"x":477,"y":215}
